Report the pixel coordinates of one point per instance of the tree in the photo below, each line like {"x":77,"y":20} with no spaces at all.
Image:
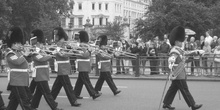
{"x":113,"y":29}
{"x":26,"y":13}
{"x":4,"y":18}
{"x":163,"y":15}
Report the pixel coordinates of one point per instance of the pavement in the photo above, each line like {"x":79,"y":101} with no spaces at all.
{"x":141,"y":77}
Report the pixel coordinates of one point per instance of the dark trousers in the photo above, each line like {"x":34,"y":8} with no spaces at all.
{"x":43,"y":89}
{"x":154,"y":66}
{"x":18,"y":96}
{"x":119,"y":66}
{"x":105,"y":76}
{"x":182,"y":86}
{"x":83,"y":78}
{"x":133,"y":62}
{"x":1,"y":100}
{"x":63,"y":81}
{"x":164,"y":63}
{"x":32,"y":86}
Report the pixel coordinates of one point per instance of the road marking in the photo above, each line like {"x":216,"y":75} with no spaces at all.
{"x":122,"y":87}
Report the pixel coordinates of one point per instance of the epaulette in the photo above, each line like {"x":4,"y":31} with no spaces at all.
{"x":8,"y":50}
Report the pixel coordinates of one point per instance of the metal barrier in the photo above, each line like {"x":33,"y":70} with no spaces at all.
{"x":152,"y":65}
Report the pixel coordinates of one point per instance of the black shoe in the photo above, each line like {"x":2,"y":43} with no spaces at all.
{"x":194,"y":107}
{"x":3,"y":107}
{"x":79,"y":97}
{"x":117,"y":92}
{"x":96,"y":96}
{"x":76,"y":104}
{"x":165,"y":106}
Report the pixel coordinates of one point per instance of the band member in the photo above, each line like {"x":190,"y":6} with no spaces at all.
{"x":177,"y":60}
{"x":105,"y":68}
{"x":41,"y":73}
{"x":83,"y":66}
{"x":63,"y":69}
{"x":18,"y":67}
{"x":2,"y":104}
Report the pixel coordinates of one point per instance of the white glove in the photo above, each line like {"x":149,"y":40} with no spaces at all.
{"x":201,"y":52}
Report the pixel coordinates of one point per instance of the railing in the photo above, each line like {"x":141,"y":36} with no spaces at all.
{"x":145,"y":65}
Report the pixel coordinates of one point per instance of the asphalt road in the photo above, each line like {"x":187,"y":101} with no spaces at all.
{"x":135,"y":95}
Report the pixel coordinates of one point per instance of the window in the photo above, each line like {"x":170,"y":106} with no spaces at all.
{"x":93,"y":21}
{"x":93,"y":6}
{"x":72,"y":21}
{"x":63,"y":22}
{"x":100,"y":21}
{"x":100,"y":6}
{"x":106,"y":21}
{"x":106,"y":6}
{"x":80,"y":6}
{"x":80,"y":22}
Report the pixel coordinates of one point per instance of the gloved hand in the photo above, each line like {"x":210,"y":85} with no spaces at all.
{"x":201,"y":52}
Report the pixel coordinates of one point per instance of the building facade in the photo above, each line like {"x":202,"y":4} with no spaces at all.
{"x":97,"y":13}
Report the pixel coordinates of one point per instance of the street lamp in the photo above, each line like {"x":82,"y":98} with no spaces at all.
{"x":129,"y":21}
{"x":70,"y":25}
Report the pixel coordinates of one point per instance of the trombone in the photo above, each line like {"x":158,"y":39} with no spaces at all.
{"x":124,"y":53}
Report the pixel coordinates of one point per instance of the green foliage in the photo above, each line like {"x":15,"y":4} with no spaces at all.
{"x":32,"y":14}
{"x":4,"y":18}
{"x":113,"y":30}
{"x":163,"y":15}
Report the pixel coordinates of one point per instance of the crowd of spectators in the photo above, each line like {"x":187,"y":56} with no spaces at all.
{"x":153,"y":55}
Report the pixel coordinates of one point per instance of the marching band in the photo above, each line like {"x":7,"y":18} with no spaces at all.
{"x":29,"y":96}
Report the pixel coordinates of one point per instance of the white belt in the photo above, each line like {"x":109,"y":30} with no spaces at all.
{"x":42,"y":66}
{"x":19,"y":70}
{"x":175,"y":64}
{"x":63,"y":61}
{"x":103,"y":61}
{"x":77,"y":60}
{"x":34,"y":72}
{"x":15,"y":70}
{"x":82,"y":60}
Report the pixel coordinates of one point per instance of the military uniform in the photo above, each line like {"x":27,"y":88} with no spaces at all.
{"x":18,"y":80}
{"x":105,"y":67}
{"x":41,"y":77}
{"x":18,"y":75}
{"x":63,"y":68}
{"x":84,"y":68}
{"x":177,"y":62}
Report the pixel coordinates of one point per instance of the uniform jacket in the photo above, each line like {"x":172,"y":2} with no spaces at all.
{"x":179,"y":58}
{"x":63,"y":63}
{"x":104,"y":63}
{"x":42,"y":67}
{"x":18,"y":68}
{"x":83,"y":62}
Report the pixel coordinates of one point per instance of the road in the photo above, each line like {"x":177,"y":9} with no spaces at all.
{"x":135,"y":95}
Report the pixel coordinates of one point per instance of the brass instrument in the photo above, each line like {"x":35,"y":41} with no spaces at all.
{"x":126,"y":54}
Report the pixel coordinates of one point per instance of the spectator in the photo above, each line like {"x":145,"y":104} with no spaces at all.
{"x":125,"y":47}
{"x":217,"y":59}
{"x":191,"y":45}
{"x":197,"y":59}
{"x":119,"y":61}
{"x":163,"y":55}
{"x":214,"y":42}
{"x":143,"y":55}
{"x":153,"y":59}
{"x":202,"y":42}
{"x":206,"y":63}
{"x":157,"y":46}
{"x":135,"y":50}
